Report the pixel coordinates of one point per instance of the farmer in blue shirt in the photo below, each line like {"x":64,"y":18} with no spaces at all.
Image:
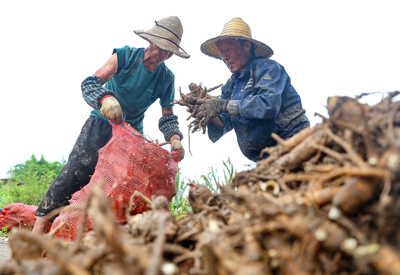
{"x":258,"y":99}
{"x":134,"y":79}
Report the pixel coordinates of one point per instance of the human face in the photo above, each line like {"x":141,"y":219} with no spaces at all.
{"x":234,"y":55}
{"x":158,"y":55}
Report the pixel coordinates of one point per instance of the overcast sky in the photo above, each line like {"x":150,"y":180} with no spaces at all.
{"x":47,"y":48}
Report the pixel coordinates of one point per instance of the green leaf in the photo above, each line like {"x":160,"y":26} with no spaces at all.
{"x":29,"y":181}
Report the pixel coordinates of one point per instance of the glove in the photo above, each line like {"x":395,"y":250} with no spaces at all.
{"x":111,"y":109}
{"x":177,"y":145}
{"x":211,"y":107}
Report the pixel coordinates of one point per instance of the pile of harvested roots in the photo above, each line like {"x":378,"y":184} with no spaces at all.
{"x":325,"y":201}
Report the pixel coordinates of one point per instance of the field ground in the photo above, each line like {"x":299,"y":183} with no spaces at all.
{"x":5,"y":252}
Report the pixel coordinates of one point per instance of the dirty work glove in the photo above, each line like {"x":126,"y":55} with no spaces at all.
{"x":177,"y":145}
{"x":211,"y":107}
{"x":111,"y":109}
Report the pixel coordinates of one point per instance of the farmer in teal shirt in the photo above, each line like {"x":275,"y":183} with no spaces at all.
{"x":132,"y":74}
{"x":134,"y":79}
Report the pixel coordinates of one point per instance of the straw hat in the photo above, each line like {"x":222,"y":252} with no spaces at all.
{"x":166,"y":34}
{"x":236,"y":28}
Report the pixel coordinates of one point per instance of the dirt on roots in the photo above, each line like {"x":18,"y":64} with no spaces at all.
{"x":325,"y":201}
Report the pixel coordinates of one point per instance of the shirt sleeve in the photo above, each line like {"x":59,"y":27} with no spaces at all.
{"x":264,"y":102}
{"x":169,"y":95}
{"x":169,"y":81}
{"x":92,"y":87}
{"x":121,"y":56}
{"x":214,"y":133}
{"x":93,"y":91}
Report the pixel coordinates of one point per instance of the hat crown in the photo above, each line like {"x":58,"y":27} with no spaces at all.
{"x":169,"y":28}
{"x":236,"y":27}
{"x":166,"y":34}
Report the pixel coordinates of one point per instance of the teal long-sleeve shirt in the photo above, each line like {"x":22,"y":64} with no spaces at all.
{"x":136,"y":88}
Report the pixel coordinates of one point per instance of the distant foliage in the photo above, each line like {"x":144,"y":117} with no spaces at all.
{"x":29,"y":181}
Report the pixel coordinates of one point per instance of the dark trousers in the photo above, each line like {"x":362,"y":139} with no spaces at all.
{"x":81,"y":164}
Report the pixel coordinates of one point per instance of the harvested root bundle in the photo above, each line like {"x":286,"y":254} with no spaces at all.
{"x":190,"y":100}
{"x":326,"y":201}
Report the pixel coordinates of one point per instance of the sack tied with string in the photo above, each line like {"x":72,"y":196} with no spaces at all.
{"x":127,"y":163}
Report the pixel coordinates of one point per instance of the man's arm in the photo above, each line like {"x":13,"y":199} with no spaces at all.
{"x":169,"y":111}
{"x":221,"y":125}
{"x":99,"y":97}
{"x":92,"y":87}
{"x":265,"y":100}
{"x":217,"y":123}
{"x":108,"y":70}
{"x":168,"y":125}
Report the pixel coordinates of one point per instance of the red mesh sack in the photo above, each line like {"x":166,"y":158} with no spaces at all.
{"x":127,"y":163}
{"x":18,"y":215}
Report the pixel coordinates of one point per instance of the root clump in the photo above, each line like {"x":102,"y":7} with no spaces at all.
{"x":325,"y":201}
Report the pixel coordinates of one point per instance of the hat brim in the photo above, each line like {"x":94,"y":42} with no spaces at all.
{"x":162,"y":43}
{"x":210,"y":47}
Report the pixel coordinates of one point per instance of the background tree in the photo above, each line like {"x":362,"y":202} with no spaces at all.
{"x":28,"y":181}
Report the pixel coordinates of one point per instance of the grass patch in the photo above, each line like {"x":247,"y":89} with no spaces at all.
{"x":180,"y":205}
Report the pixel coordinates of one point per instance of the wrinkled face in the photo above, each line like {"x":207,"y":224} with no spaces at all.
{"x":158,"y":55}
{"x":233,"y":54}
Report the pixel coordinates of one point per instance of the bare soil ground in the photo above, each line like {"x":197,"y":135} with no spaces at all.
{"x":5,"y":252}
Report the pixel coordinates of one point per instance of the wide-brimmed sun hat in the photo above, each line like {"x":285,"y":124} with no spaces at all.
{"x":236,"y":28}
{"x":166,"y":34}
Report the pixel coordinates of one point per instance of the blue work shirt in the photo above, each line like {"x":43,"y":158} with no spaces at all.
{"x":262,"y":102}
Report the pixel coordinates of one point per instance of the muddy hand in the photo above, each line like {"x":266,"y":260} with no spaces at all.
{"x":177,"y":145}
{"x":211,"y":107}
{"x":111,"y":109}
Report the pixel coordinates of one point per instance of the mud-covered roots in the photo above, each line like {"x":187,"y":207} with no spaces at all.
{"x":189,"y":100}
{"x":326,"y":201}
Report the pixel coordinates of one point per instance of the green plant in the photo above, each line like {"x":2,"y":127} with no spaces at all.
{"x":212,"y":180}
{"x":4,"y":231}
{"x":30,"y":180}
{"x":179,"y":203}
